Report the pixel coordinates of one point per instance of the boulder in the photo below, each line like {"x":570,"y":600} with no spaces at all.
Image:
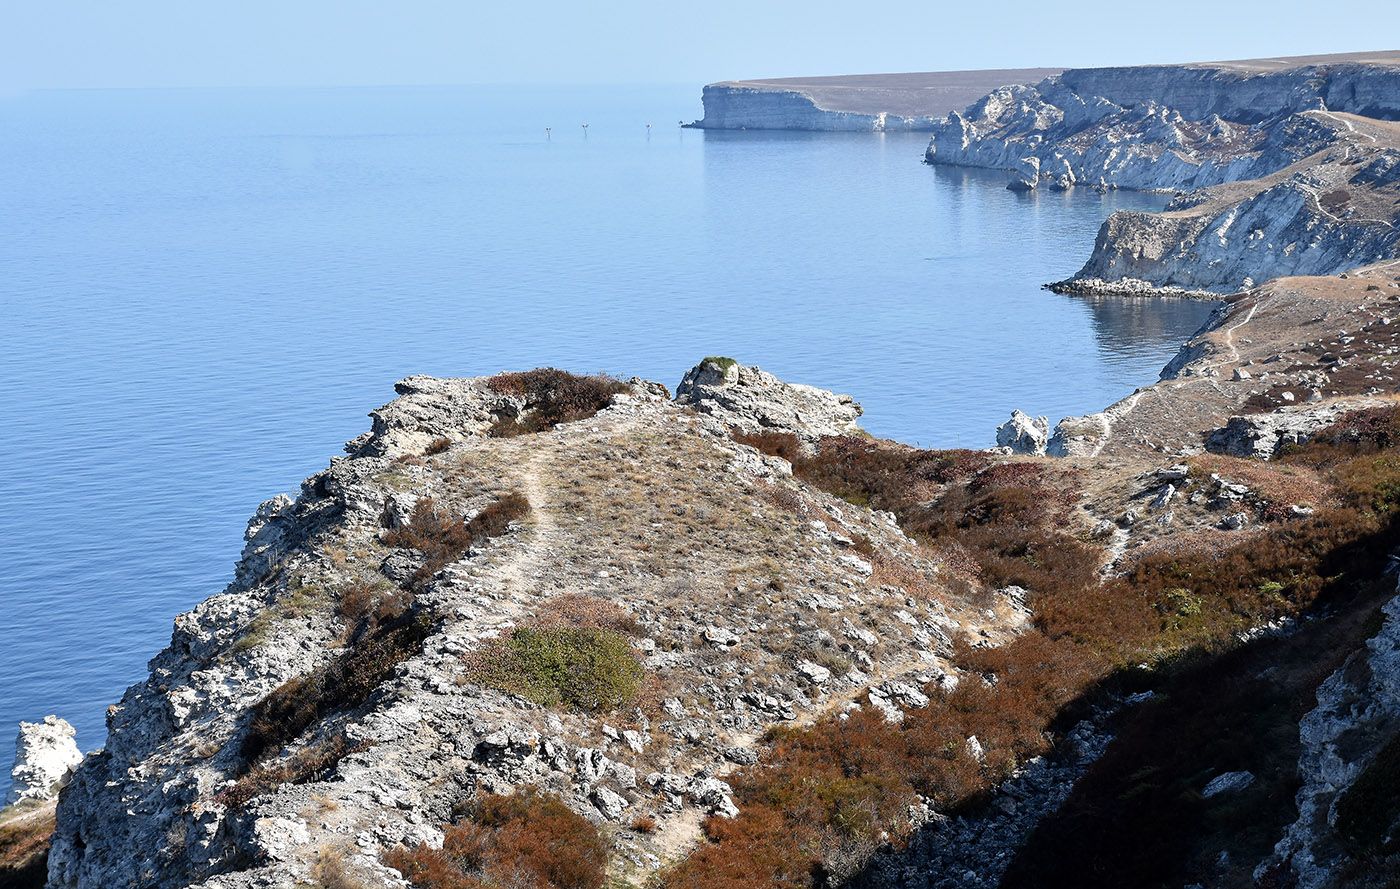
{"x":45,"y":754}
{"x":1024,"y":434}
{"x":1078,"y":436}
{"x":1264,"y":435}
{"x":609,"y":804}
{"x":753,"y":400}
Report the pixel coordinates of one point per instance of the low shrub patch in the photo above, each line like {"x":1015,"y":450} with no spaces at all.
{"x":365,"y":605}
{"x":442,"y":538}
{"x":527,"y":840}
{"x":575,"y":652}
{"x":343,"y":683}
{"x":551,"y":397}
{"x":437,"y":446}
{"x":590,"y":669}
{"x":300,"y":767}
{"x":868,"y":472}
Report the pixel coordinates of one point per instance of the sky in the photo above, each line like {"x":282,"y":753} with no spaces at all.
{"x":202,"y":43}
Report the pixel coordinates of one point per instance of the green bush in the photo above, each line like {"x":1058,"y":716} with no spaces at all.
{"x":591,"y":669}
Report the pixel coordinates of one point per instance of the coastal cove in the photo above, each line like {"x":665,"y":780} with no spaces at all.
{"x":206,"y":289}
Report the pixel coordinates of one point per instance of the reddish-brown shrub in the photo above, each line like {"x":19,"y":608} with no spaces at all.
{"x":364,"y":605}
{"x":527,"y":840}
{"x":345,"y":682}
{"x":300,"y":767}
{"x":825,"y":796}
{"x":868,"y":472}
{"x":437,"y":446}
{"x":442,"y":538}
{"x":644,"y":824}
{"x":551,"y":397}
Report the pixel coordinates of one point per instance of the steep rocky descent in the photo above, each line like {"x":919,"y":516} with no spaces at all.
{"x":1331,"y":211}
{"x":752,"y":600}
{"x":1305,"y":165}
{"x":1351,"y":747}
{"x":45,"y":755}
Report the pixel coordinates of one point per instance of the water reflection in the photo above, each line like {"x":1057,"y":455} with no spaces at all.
{"x":1134,"y":328}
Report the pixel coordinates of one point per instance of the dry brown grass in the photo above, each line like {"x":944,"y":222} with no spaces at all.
{"x":25,"y":833}
{"x":826,"y":797}
{"x":528,"y":841}
{"x":1278,"y":483}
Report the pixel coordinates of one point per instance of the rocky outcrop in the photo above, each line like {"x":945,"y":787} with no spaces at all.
{"x":1024,"y":434}
{"x":1356,"y":717}
{"x":748,"y":604}
{"x":853,"y":103}
{"x":753,"y":400}
{"x":1164,"y":126}
{"x":1264,"y":435}
{"x":45,"y":754}
{"x":1330,"y":212}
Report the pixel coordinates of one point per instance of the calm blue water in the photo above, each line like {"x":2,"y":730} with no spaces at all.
{"x":204,"y":292}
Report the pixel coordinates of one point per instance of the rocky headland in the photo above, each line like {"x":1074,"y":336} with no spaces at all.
{"x":1282,"y":167}
{"x":547,"y":630}
{"x":851,"y":103}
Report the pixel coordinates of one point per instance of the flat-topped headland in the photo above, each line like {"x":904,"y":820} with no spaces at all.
{"x":852,"y":103}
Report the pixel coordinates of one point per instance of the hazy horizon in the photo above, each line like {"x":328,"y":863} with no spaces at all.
{"x":164,"y":44}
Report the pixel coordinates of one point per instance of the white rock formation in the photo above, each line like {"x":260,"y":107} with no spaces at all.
{"x":45,"y":755}
{"x":1024,"y":434}
{"x":1263,"y":435}
{"x":753,"y":400}
{"x":1310,"y":169}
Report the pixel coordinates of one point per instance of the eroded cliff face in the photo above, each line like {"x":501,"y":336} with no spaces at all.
{"x":1290,"y":172}
{"x":1351,"y":747}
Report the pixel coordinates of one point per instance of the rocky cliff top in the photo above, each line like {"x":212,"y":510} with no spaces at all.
{"x":741,"y":598}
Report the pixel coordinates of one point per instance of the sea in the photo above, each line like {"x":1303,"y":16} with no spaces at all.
{"x":202,"y":293}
